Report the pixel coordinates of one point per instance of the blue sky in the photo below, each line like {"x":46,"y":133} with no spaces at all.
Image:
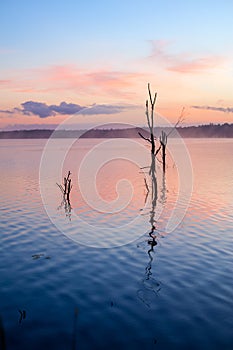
{"x":171,"y":43}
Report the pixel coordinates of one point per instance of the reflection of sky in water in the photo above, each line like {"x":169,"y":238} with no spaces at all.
{"x":108,"y":198}
{"x":186,"y":283}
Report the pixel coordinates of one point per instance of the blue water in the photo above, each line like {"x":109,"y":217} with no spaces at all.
{"x":180,"y":296}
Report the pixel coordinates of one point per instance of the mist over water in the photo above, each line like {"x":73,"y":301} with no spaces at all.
{"x":177,"y":294}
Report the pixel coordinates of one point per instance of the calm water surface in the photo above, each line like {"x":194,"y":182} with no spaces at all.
{"x":77,"y":296}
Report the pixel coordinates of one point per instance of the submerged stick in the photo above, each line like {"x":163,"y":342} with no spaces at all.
{"x":163,"y":143}
{"x":67,"y":187}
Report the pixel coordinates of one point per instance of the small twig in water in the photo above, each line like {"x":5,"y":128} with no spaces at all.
{"x":22,"y":315}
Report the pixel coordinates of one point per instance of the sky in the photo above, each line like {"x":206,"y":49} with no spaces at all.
{"x":95,"y":58}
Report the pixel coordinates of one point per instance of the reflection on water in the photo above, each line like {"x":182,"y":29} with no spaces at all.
{"x":149,"y":285}
{"x":186,"y":278}
{"x":65,"y":190}
{"x":66,"y":206}
{"x":22,"y":316}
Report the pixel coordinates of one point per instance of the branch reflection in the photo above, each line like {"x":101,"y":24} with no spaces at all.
{"x":149,"y":285}
{"x":66,"y":206}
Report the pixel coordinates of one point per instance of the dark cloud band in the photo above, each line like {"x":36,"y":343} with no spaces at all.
{"x":44,"y":111}
{"x":218,"y":109}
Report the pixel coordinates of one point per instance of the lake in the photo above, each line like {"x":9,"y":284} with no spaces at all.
{"x":86,"y":275}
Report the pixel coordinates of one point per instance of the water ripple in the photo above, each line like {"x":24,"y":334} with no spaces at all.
{"x":178,"y":296}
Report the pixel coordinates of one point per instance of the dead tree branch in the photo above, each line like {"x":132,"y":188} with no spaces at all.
{"x":67,"y":187}
{"x":179,"y":121}
{"x":144,"y":138}
{"x":163,"y":143}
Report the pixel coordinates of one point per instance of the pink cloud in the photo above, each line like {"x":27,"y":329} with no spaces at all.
{"x":5,"y":82}
{"x":101,"y":80}
{"x":196,"y":65}
{"x":159,"y":51}
{"x":72,"y":78}
{"x":183,"y":62}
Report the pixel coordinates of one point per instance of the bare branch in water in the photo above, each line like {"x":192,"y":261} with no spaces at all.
{"x":67,"y":187}
{"x":147,"y":187}
{"x":144,"y":138}
{"x":61,"y":188}
{"x":158,"y":150}
{"x":152,"y":102}
{"x":145,"y":167}
{"x":179,"y":121}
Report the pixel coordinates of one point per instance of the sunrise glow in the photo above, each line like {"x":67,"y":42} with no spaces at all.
{"x":105,"y":53}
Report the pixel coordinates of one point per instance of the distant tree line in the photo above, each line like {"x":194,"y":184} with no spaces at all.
{"x":210,"y":131}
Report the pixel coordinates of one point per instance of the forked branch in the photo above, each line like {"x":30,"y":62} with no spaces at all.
{"x":179,"y":121}
{"x":67,"y":186}
{"x":150,"y":119}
